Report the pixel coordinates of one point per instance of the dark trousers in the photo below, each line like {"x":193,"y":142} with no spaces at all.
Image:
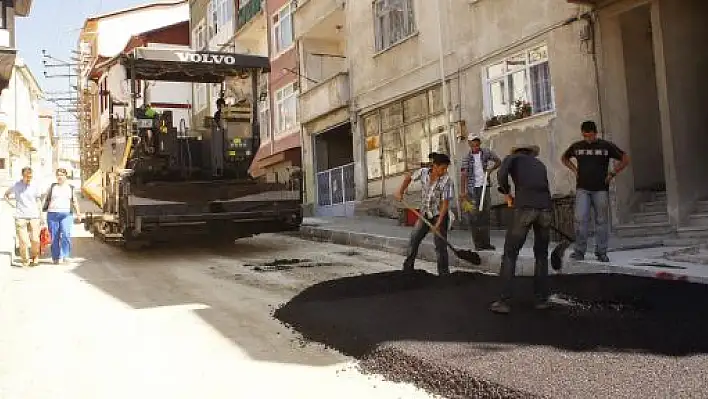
{"x":523,"y":220}
{"x":479,"y":221}
{"x":419,"y":232}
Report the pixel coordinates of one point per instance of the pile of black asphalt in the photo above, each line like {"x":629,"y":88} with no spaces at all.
{"x":605,"y":335}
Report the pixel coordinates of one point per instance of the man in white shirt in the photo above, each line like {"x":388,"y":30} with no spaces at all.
{"x":27,"y":195}
{"x":475,"y":165}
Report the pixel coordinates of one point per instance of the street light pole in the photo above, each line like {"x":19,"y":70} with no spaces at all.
{"x":452,"y":139}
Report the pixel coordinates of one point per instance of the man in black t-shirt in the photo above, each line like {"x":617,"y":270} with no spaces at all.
{"x":593,"y":183}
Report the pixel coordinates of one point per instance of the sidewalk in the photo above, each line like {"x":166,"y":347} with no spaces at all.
{"x":645,"y":257}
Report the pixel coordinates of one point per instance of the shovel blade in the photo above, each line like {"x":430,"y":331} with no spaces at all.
{"x":558,"y":254}
{"x":469,"y":256}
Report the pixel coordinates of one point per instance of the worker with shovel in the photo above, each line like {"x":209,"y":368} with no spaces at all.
{"x":532,"y":209}
{"x":437,"y":191}
{"x":474,"y":193}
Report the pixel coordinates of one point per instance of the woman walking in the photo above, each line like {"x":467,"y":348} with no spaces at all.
{"x":62,"y":209}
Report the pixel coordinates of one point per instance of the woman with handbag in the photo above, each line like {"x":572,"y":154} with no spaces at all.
{"x":62,"y":210}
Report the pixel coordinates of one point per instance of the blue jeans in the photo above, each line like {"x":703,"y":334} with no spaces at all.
{"x":599,"y":202}
{"x":60,"y":224}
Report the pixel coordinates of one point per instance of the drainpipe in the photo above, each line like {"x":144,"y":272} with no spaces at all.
{"x":445,"y":94}
{"x":590,"y":18}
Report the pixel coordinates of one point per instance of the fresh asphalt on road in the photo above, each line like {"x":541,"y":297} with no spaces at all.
{"x":195,"y":321}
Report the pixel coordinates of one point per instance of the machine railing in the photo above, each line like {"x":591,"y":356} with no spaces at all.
{"x":336,"y":186}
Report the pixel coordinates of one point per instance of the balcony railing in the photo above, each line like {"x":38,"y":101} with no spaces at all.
{"x":336,"y":186}
{"x":247,"y":12}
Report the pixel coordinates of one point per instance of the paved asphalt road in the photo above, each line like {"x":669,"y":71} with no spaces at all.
{"x":188,"y":322}
{"x":174,"y":323}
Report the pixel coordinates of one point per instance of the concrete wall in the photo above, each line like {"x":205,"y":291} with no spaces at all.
{"x":684,"y":29}
{"x":644,"y":117}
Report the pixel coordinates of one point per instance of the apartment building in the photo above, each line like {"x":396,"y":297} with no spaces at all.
{"x":10,"y":147}
{"x":9,"y":10}
{"x":521,"y":71}
{"x":279,"y":155}
{"x":102,"y":38}
{"x":19,"y":121}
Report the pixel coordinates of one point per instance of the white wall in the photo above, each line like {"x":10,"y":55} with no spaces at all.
{"x":114,"y":32}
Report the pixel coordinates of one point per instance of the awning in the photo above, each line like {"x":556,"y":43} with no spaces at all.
{"x":190,"y":66}
{"x":7,"y":63}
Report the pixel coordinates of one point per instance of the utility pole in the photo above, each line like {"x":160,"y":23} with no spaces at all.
{"x":67,"y":115}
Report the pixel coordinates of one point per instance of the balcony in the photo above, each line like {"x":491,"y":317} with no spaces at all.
{"x":328,"y":96}
{"x":321,"y":19}
{"x":250,"y":21}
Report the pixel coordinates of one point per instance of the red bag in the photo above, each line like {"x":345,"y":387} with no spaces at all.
{"x":44,"y":239}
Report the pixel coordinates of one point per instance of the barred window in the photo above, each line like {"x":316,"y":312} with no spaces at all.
{"x":399,"y":136}
{"x":394,"y":21}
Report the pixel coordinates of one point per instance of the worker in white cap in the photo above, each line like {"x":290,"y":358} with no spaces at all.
{"x":476,"y":167}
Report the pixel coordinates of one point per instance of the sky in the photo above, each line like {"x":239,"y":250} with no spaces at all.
{"x":54,"y":25}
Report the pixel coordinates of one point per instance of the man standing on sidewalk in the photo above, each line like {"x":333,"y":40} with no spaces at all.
{"x":532,"y":209}
{"x":437,"y":193}
{"x":27,"y":197}
{"x":593,"y":184}
{"x":474,"y":167}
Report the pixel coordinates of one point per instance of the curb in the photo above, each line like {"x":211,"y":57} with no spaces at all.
{"x":491,"y":261}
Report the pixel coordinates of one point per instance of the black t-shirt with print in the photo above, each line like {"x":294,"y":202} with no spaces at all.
{"x":593,"y":162}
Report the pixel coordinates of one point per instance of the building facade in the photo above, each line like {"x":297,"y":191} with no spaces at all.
{"x":324,"y":108}
{"x":519,"y":71}
{"x":19,"y":122}
{"x":9,"y":10}
{"x":650,"y":62}
{"x":9,"y":142}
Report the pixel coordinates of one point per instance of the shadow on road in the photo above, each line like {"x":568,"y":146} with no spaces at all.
{"x":599,"y":313}
{"x":206,"y":279}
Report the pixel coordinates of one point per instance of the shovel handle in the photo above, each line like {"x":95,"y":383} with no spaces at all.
{"x":430,"y":225}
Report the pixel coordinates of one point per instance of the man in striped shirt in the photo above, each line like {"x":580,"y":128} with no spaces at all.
{"x":474,"y":166}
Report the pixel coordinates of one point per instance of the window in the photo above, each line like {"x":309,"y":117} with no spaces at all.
{"x":519,"y":86}
{"x":264,"y":119}
{"x":373,"y":145}
{"x":286,"y":109}
{"x":283,"y":29}
{"x":220,"y":14}
{"x":400,"y":136}
{"x":394,"y":21}
{"x":199,"y":39}
{"x":201,"y":100}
